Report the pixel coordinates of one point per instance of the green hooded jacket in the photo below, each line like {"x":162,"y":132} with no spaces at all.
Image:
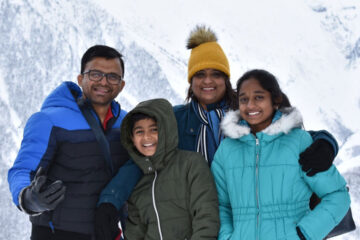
{"x":176,"y":198}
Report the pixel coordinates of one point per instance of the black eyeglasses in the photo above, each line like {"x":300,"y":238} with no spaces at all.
{"x":96,"y":76}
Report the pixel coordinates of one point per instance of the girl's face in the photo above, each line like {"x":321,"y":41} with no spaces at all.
{"x":255,"y":105}
{"x":208,"y":86}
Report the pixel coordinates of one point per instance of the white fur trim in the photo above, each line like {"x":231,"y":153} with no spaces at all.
{"x":231,"y":127}
{"x":291,"y":118}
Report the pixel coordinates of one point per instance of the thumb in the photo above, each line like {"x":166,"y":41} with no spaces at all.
{"x":39,"y":172}
{"x":39,"y":181}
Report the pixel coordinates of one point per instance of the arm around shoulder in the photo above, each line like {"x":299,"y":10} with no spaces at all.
{"x":121,"y":185}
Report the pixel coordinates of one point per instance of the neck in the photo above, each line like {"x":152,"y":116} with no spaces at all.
{"x":101,"y":111}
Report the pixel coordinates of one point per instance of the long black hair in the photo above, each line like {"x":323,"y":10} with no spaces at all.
{"x":267,"y":82}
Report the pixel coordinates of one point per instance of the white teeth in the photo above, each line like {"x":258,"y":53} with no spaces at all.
{"x":208,"y":89}
{"x":147,"y":144}
{"x":253,"y":113}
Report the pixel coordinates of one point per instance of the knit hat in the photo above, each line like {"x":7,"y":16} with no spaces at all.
{"x":205,"y":52}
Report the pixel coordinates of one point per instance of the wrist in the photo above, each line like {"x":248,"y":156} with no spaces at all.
{"x":22,"y":204}
{"x":300,"y":234}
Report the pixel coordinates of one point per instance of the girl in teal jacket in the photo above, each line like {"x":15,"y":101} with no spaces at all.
{"x":263,"y":193}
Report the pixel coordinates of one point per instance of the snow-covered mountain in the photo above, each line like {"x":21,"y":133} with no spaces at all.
{"x":312,"y":46}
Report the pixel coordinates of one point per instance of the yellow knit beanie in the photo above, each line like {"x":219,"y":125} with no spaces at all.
{"x":205,"y":52}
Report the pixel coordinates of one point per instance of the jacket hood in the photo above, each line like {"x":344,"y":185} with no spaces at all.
{"x":162,"y":111}
{"x":284,"y":120}
{"x":63,"y":96}
{"x":67,"y":94}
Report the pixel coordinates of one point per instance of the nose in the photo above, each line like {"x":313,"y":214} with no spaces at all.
{"x":207,"y":78}
{"x":147,"y":135}
{"x":250,"y":103}
{"x":104,"y":80}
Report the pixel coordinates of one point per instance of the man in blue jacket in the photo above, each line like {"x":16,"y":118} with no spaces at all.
{"x":60,"y":169}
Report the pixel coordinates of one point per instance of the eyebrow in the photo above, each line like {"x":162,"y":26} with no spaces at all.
{"x":140,"y":127}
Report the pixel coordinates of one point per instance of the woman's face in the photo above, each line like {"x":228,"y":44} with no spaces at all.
{"x":208,"y":86}
{"x":255,"y":105}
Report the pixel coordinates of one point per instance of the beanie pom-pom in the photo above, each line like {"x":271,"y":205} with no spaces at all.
{"x":201,"y":34}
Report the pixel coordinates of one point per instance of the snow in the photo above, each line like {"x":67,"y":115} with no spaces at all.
{"x":311,"y":46}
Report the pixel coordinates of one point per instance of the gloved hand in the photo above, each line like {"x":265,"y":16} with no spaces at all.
{"x":38,"y":198}
{"x":106,"y":222}
{"x":318,"y":157}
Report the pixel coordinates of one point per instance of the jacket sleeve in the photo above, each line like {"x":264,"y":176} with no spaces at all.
{"x":118,"y":190}
{"x":135,"y":229}
{"x":330,"y":186}
{"x":203,"y":200}
{"x":323,"y":134}
{"x":37,"y":147}
{"x":226,"y":218}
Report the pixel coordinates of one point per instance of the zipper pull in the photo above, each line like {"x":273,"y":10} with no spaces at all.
{"x":52,"y":227}
{"x":257,"y":141}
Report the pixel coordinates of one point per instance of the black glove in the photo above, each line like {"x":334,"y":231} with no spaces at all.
{"x":106,"y":222}
{"x":318,"y":157}
{"x":38,"y":198}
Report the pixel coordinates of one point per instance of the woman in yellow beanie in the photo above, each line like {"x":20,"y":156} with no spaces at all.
{"x":210,"y":94}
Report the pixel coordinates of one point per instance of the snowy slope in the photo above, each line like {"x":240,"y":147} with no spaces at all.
{"x":312,"y":46}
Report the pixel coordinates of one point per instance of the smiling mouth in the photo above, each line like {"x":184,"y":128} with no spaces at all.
{"x":148,"y":144}
{"x":101,"y":90}
{"x":208,"y":89}
{"x":253,"y":113}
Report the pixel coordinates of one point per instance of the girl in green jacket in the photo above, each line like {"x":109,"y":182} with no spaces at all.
{"x":263,"y":193}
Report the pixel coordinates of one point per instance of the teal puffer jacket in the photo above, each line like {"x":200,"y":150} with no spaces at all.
{"x":263,"y":193}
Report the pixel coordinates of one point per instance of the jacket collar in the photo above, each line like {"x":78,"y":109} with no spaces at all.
{"x":193,"y":121}
{"x":284,"y":121}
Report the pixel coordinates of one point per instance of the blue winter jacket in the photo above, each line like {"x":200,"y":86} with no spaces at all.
{"x":59,"y":139}
{"x":263,"y":193}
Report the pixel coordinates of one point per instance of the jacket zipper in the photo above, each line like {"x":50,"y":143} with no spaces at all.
{"x":257,"y":187}
{"x":154,"y":205}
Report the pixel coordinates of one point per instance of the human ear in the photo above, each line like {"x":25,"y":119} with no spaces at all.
{"x":80,"y":77}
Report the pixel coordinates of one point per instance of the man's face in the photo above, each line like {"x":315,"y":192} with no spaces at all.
{"x":101,"y":93}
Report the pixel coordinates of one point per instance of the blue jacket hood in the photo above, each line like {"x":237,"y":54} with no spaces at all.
{"x":63,"y":96}
{"x":66,"y":95}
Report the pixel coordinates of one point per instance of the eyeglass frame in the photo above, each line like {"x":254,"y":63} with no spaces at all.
{"x":106,"y":75}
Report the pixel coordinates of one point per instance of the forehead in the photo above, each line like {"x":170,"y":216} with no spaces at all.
{"x":251,"y":85}
{"x":106,"y":65}
{"x":144,"y":123}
